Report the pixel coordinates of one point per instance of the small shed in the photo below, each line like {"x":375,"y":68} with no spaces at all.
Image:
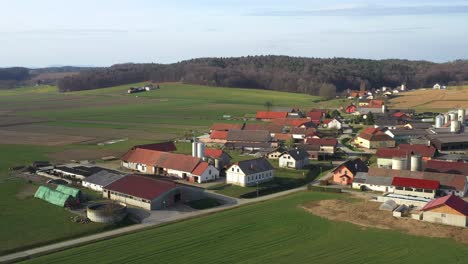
{"x":52,"y":196}
{"x":389,"y":205}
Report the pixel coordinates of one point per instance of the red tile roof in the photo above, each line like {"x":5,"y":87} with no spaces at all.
{"x":162,"y":159}
{"x":271,"y":115}
{"x":390,"y":153}
{"x":421,"y":149}
{"x":451,"y":201}
{"x":400,"y":114}
{"x":226,"y":127}
{"x":219,"y":135}
{"x":315,"y":116}
{"x":294,"y":122}
{"x":163,"y":146}
{"x":321,"y":141}
{"x":201,"y":168}
{"x":140,"y":186}
{"x":375,"y":103}
{"x":213,"y":153}
{"x":326,"y":121}
{"x":415,"y":183}
{"x":283,"y":137}
{"x":447,"y":167}
{"x":374,"y":134}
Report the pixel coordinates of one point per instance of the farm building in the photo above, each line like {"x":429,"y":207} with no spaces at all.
{"x":372,"y":138}
{"x":248,"y":139}
{"x":163,"y":146}
{"x":226,"y":127}
{"x":222,"y":157}
{"x":73,"y":192}
{"x":345,"y":173}
{"x":75,"y":172}
{"x":446,"y":167}
{"x":449,"y":183}
{"x":101,"y":179}
{"x":386,"y":156}
{"x":326,"y":145}
{"x":187,"y":167}
{"x":415,"y":187}
{"x":149,"y":193}
{"x":218,"y":137}
{"x":362,"y":181}
{"x":406,"y":135}
{"x":295,"y":158}
{"x":446,"y":142}
{"x":250,"y":172}
{"x":447,"y":210}
{"x":268,"y":115}
{"x":294,"y":122}
{"x":54,"y":196}
{"x":316,"y":116}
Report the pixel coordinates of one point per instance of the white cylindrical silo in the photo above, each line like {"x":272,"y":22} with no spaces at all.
{"x":201,"y":150}
{"x":446,"y":118}
{"x":439,"y":121}
{"x":453,"y":116}
{"x":461,"y":115}
{"x":217,"y":164}
{"x":399,"y":163}
{"x":194,"y":149}
{"x":454,"y":126}
{"x":416,"y":163}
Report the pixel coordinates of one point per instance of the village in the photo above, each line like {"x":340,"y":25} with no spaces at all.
{"x":413,"y":164}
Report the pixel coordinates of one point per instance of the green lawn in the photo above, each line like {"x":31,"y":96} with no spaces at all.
{"x":276,"y":231}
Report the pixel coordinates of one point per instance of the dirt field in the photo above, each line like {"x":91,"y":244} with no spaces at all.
{"x":432,"y":99}
{"x":42,"y":139}
{"x":367,"y":214}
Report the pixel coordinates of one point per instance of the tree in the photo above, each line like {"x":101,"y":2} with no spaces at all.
{"x":370,"y":120}
{"x":327,"y":90}
{"x":289,"y":143}
{"x":268,"y":105}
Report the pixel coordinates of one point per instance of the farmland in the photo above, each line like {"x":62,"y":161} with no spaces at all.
{"x":429,"y":99}
{"x":38,"y":123}
{"x":274,"y":231}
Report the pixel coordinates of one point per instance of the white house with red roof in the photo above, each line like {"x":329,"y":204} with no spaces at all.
{"x":220,"y":157}
{"x":447,"y":210}
{"x":183,"y":166}
{"x":149,"y":193}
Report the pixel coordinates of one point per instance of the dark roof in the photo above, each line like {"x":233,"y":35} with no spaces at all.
{"x":104,"y":177}
{"x":388,"y":121}
{"x":322,"y":141}
{"x":390,"y":153}
{"x":451,"y":201}
{"x":163,"y":146}
{"x":140,"y":186}
{"x":297,"y":154}
{"x":356,"y":165}
{"x":409,"y":132}
{"x":447,"y":167}
{"x":415,"y":183}
{"x":80,"y":170}
{"x":254,"y":165}
{"x":249,"y":136}
{"x":420,"y":125}
{"x":420,"y":149}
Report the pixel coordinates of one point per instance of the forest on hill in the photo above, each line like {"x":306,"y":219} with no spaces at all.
{"x":316,"y":76}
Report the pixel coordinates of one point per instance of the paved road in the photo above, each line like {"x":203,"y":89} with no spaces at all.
{"x":155,"y":218}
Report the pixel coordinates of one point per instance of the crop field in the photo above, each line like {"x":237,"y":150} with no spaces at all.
{"x":429,"y":99}
{"x":276,"y":231}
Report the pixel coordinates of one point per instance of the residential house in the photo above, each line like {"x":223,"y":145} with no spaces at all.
{"x":149,"y":193}
{"x":332,"y":123}
{"x":250,"y":172}
{"x":351,"y":109}
{"x":276,"y":153}
{"x":325,"y":145}
{"x":316,"y":116}
{"x":372,"y":138}
{"x":447,"y":210}
{"x":344,"y":174}
{"x":218,"y":157}
{"x":294,"y":158}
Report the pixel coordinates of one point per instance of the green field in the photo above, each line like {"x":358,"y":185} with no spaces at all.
{"x":276,"y":231}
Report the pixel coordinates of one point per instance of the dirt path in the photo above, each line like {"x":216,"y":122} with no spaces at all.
{"x":367,"y":214}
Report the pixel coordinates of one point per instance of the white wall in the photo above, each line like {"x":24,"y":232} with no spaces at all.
{"x":297,"y":164}
{"x":92,"y":186}
{"x":446,"y":219}
{"x":234,"y":175}
{"x":377,"y":188}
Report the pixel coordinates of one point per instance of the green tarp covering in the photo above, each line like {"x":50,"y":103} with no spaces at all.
{"x":68,"y":190}
{"x":52,"y":196}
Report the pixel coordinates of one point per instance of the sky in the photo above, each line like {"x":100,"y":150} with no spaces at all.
{"x":104,"y":32}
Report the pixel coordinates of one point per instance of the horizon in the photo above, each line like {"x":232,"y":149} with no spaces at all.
{"x":108,"y":32}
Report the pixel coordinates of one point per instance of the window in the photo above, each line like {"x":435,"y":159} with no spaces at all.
{"x":443,"y":215}
{"x":232,"y":169}
{"x":209,"y":172}
{"x":237,"y":170}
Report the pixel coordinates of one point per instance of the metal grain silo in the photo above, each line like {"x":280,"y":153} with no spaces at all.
{"x":454,"y":126}
{"x":194,"y":148}
{"x":416,"y":163}
{"x":200,"y":150}
{"x":399,"y":163}
{"x":439,"y":121}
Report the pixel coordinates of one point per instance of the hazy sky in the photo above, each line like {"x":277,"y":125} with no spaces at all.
{"x":103,"y":32}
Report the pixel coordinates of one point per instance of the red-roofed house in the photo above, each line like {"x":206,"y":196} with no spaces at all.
{"x":401,"y":115}
{"x":217,"y":137}
{"x":148,"y":193}
{"x":351,"y":109}
{"x":372,"y":138}
{"x":270,"y":115}
{"x":415,"y":187}
{"x":316,"y":116}
{"x":324,"y":145}
{"x":294,"y":122}
{"x":169,"y":164}
{"x":332,"y":123}
{"x":447,"y":210}
{"x":218,"y":154}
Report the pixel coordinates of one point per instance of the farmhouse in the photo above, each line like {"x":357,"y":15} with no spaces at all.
{"x":250,"y":172}
{"x":101,"y":179}
{"x":148,"y":193}
{"x":295,"y":158}
{"x":374,"y":138}
{"x":219,"y":157}
{"x":169,"y":164}
{"x":332,"y":123}
{"x":248,"y":140}
{"x":447,"y":210}
{"x":345,"y":173}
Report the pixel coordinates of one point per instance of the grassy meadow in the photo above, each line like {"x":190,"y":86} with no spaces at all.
{"x":276,"y":231}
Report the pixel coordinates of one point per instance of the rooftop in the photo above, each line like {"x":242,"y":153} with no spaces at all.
{"x":140,"y":186}
{"x":451,"y":201}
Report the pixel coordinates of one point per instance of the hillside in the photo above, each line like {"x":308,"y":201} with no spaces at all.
{"x":314,"y":76}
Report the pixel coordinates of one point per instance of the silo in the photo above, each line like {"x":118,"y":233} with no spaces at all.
{"x":439,"y":121}
{"x":201,"y":150}
{"x":416,"y":162}
{"x":453,"y":116}
{"x":446,"y":118}
{"x":194,"y":148}
{"x":217,"y":164}
{"x":461,"y":115}
{"x":384,"y":108}
{"x":399,"y":163}
{"x":454,"y":126}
